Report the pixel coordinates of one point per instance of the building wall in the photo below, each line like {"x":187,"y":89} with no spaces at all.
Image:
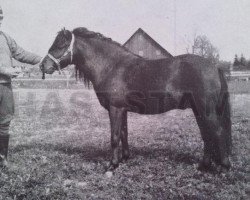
{"x":141,"y":46}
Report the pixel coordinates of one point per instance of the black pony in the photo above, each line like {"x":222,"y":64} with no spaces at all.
{"x":125,"y":82}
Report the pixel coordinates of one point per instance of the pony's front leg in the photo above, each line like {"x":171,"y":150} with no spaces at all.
{"x":124,"y":137}
{"x":116,"y":118}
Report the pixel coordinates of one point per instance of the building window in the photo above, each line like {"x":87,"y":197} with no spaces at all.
{"x":157,"y":52}
{"x":140,"y":53}
{"x":140,"y":37}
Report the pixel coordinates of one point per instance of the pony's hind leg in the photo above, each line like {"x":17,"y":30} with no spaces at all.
{"x":206,"y":162}
{"x":215,"y":143}
{"x":124,"y":137}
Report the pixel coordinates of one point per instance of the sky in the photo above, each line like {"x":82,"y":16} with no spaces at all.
{"x":172,"y":23}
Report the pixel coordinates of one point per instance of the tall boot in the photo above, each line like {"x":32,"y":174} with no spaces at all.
{"x":4,"y":144}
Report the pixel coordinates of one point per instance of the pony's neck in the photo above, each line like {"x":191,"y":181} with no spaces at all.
{"x":100,"y":57}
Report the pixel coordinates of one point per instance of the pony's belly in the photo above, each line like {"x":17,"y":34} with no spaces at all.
{"x":152,"y":105}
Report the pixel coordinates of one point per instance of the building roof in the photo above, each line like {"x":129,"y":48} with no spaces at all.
{"x":164,"y":51}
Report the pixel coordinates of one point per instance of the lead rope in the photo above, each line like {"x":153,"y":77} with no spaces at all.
{"x":43,"y":76}
{"x":43,"y":73}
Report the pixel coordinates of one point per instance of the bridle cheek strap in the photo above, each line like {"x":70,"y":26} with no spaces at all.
{"x":69,"y":50}
{"x":57,"y":61}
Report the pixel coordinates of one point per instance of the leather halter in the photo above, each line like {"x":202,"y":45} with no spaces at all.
{"x":69,"y":50}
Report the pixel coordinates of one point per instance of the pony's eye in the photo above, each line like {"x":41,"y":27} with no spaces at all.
{"x":62,"y":46}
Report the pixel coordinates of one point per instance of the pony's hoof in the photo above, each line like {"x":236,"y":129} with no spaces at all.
{"x":125,"y":158}
{"x":112,"y":167}
{"x":225,"y":165}
{"x":205,"y":166}
{"x":4,"y":164}
{"x":222,"y":169}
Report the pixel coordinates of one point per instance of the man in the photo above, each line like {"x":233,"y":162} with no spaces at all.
{"x":8,"y":50}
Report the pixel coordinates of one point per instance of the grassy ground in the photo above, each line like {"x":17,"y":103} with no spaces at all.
{"x":60,"y":147}
{"x":239,"y":87}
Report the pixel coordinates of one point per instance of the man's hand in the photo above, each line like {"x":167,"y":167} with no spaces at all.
{"x":14,"y":72}
{"x":10,"y":72}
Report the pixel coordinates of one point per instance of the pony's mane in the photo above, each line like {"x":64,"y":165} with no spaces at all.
{"x":85,"y":33}
{"x":65,"y":35}
{"x":82,"y":77}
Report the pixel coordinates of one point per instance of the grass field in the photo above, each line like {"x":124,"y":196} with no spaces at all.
{"x":239,"y":87}
{"x":60,"y":147}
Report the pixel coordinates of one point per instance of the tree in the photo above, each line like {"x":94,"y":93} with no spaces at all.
{"x":236,"y":61}
{"x":243,"y":61}
{"x":202,"y":46}
{"x":241,"y":64}
{"x":248,"y":64}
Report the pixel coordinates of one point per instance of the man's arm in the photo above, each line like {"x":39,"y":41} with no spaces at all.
{"x":20,"y":54}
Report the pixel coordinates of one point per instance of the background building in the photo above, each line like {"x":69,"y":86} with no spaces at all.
{"x":142,"y":44}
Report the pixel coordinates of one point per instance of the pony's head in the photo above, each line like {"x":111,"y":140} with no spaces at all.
{"x":60,"y":53}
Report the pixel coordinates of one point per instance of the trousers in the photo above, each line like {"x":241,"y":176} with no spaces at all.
{"x":6,"y":107}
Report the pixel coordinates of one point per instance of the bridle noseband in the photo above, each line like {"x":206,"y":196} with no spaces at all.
{"x":69,"y":50}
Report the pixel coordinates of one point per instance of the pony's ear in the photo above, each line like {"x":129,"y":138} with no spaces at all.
{"x":64,"y":31}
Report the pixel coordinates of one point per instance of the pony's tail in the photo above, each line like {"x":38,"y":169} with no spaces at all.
{"x":224,"y":110}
